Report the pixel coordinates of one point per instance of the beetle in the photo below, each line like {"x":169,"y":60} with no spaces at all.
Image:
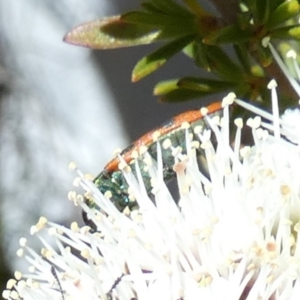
{"x":112,"y":179}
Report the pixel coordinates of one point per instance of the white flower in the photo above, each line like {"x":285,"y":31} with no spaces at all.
{"x":233,"y":235}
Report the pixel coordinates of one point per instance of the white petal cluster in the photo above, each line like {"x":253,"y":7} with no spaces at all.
{"x":233,"y":234}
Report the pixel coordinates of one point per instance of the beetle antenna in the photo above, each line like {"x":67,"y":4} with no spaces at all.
{"x":54,"y":273}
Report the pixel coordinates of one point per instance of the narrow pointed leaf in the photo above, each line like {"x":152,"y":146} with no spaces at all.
{"x":180,"y":90}
{"x":242,"y":54}
{"x":166,"y":7}
{"x":222,"y":64}
{"x":155,"y":60}
{"x":265,"y":56}
{"x":150,"y":7}
{"x":229,"y":34}
{"x":205,"y":85}
{"x":165,"y":87}
{"x":181,"y":95}
{"x":262,"y":11}
{"x":274,"y":4}
{"x":214,"y":59}
{"x":198,"y":52}
{"x":283,"y":12}
{"x":112,"y":32}
{"x":169,"y":26}
{"x":287,"y":33}
{"x":196,"y":8}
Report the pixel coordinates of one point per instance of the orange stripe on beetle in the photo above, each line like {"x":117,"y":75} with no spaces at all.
{"x":112,"y":182}
{"x":190,"y":116}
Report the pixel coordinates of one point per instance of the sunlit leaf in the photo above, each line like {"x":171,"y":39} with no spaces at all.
{"x":184,"y":89}
{"x":165,"y":87}
{"x":112,"y":32}
{"x":283,"y":12}
{"x":288,"y":32}
{"x":155,"y":60}
{"x":196,"y":8}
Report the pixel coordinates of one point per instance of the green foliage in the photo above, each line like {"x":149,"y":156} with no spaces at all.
{"x":155,"y":60}
{"x":109,"y":33}
{"x":282,"y":13}
{"x":179,"y":90}
{"x":186,"y":27}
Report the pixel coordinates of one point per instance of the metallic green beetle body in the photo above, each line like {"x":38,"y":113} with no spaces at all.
{"x":112,"y":179}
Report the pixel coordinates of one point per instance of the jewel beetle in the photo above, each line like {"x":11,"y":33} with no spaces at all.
{"x":112,"y":179}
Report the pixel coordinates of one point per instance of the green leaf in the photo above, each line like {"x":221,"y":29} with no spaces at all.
{"x":179,"y":90}
{"x":222,"y":64}
{"x":165,"y":87}
{"x":257,"y":71}
{"x":262,"y":11}
{"x":169,"y":26}
{"x":214,"y":59}
{"x":288,"y":32}
{"x":181,"y":95}
{"x":274,"y":4}
{"x":196,"y":8}
{"x":249,"y":4}
{"x":112,"y":32}
{"x":284,"y":12}
{"x":229,"y":34}
{"x":155,"y":60}
{"x":265,"y":56}
{"x":165,"y":7}
{"x":198,"y":52}
{"x":206,"y":85}
{"x":244,"y":19}
{"x":242,"y":54}
{"x":140,"y":17}
{"x":150,"y":7}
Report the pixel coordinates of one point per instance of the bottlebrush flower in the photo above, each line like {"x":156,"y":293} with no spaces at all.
{"x":232,"y":235}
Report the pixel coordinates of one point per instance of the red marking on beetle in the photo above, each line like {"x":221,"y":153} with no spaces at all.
{"x":188,"y":116}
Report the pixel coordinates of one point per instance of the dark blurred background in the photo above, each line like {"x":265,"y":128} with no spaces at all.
{"x":61,"y":103}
